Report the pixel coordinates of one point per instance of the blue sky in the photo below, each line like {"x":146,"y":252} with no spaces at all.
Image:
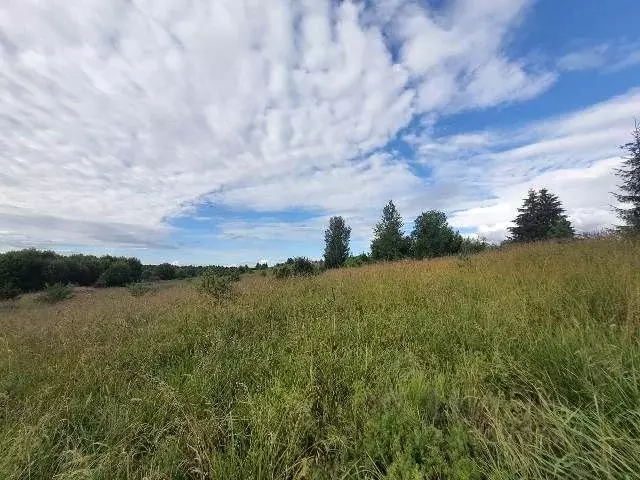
{"x":229,"y":131}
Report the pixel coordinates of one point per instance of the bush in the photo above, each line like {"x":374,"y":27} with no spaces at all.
{"x":165,"y":271}
{"x":216,"y":286}
{"x":8,"y":291}
{"x":303,"y":266}
{"x":139,"y":289}
{"x":117,"y":275}
{"x":283,"y":271}
{"x":296,"y":267}
{"x":56,"y":292}
{"x":357,"y":260}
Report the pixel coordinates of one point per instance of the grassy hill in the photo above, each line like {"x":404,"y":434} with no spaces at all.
{"x":520,"y":363}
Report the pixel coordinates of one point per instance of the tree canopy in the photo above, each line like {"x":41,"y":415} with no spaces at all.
{"x":336,"y":239}
{"x":433,"y":237}
{"x":540,"y":217}
{"x":389,"y":243}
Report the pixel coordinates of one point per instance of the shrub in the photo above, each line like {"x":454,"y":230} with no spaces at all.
{"x":303,"y":266}
{"x":216,"y":286}
{"x":165,"y":271}
{"x":116,"y":275}
{"x":56,"y":292}
{"x":139,"y":289}
{"x":283,"y":271}
{"x":357,"y":260}
{"x":8,"y":291}
{"x":296,"y":267}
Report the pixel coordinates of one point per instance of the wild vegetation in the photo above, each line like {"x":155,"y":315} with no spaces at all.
{"x":516,"y":363}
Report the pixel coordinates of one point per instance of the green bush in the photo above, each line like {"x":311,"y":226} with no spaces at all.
{"x":56,"y":292}
{"x":303,"y":266}
{"x":139,"y":289}
{"x":357,"y":260}
{"x":8,"y":291}
{"x":283,"y":271}
{"x":216,"y":286}
{"x":117,"y":274}
{"x":165,"y":271}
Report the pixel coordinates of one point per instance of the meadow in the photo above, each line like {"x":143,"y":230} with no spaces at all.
{"x":517,"y":363}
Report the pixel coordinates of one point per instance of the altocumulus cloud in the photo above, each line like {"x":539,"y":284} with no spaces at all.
{"x":119,"y":115}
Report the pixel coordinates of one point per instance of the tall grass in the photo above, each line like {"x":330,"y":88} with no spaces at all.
{"x":522,"y":363}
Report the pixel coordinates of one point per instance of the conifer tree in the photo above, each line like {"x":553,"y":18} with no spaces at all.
{"x":630,"y":187}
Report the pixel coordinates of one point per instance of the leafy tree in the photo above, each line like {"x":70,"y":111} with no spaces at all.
{"x":540,"y":217}
{"x":165,"y":271}
{"x":136,"y":269}
{"x":433,"y":237}
{"x":630,"y":187}
{"x":336,"y":239}
{"x":118,"y":274}
{"x":388,"y":242}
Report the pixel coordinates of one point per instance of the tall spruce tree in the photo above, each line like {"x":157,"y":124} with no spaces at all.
{"x":336,"y":240}
{"x":388,"y":242}
{"x":540,"y":217}
{"x":630,"y":187}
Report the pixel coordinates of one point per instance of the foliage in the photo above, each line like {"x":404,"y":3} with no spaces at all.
{"x":295,"y":267}
{"x":56,"y":292}
{"x":30,"y":270}
{"x":471,"y":246}
{"x":215,"y":285}
{"x":357,"y":260}
{"x":540,"y":217}
{"x":388,"y":242}
{"x":561,"y":228}
{"x":117,"y":274}
{"x":165,"y":271}
{"x":630,"y":187}
{"x":336,"y":239}
{"x":282,"y":271}
{"x":524,"y":366}
{"x":8,"y":291}
{"x":139,"y":289}
{"x":433,"y":237}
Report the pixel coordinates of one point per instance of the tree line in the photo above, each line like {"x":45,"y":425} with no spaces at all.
{"x":31,"y":270}
{"x":541,"y":217}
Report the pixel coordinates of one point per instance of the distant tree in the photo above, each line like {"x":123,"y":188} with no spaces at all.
{"x":433,"y":237}
{"x":336,"y":240}
{"x":136,"y":269}
{"x":165,"y":271}
{"x":561,"y":228}
{"x":117,"y":275}
{"x":630,"y":187}
{"x":540,"y":217}
{"x":388,"y":242}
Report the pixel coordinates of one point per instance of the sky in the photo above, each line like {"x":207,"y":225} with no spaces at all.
{"x":230,"y":131}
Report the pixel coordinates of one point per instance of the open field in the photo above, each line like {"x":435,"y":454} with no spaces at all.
{"x":522,"y":363}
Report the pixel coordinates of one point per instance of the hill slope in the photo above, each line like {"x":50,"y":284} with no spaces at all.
{"x":513,"y":364}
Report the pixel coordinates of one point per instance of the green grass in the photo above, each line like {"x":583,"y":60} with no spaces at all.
{"x":521,"y":363}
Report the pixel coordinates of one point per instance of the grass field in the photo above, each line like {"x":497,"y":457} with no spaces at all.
{"x":521,"y":363}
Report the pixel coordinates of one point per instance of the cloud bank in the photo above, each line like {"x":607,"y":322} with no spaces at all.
{"x":119,"y":115}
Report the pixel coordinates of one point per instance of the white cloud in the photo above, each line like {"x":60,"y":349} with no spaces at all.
{"x":608,"y":57}
{"x":573,"y":155}
{"x":118,"y":115}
